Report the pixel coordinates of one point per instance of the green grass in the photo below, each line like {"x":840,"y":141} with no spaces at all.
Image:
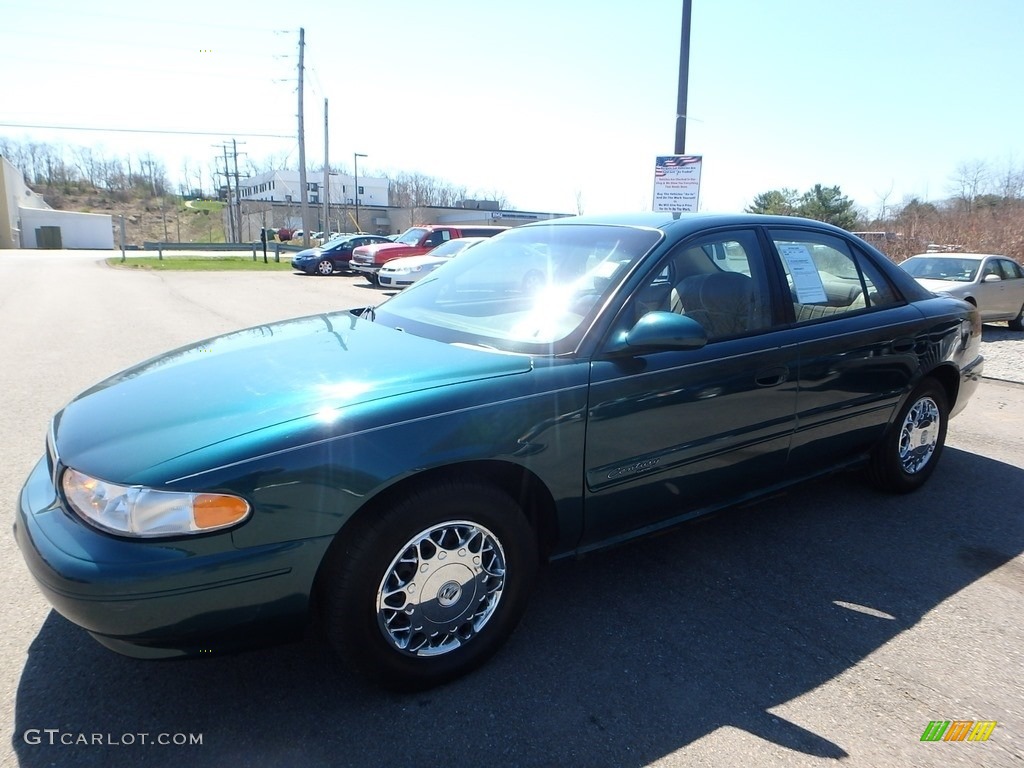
{"x":204,"y":205}
{"x":203,"y":264}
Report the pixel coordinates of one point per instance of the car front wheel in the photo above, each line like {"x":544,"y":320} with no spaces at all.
{"x":908,"y":453}
{"x":325,"y":267}
{"x":431,"y":588}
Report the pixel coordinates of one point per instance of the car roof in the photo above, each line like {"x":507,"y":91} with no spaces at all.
{"x":683,"y":222}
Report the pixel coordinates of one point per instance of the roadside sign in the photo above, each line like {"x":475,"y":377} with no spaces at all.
{"x":677,"y":183}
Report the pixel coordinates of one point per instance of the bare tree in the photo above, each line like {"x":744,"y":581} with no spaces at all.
{"x":89,"y":164}
{"x":1010,"y":182}
{"x":970,"y":181}
{"x":883,"y":203}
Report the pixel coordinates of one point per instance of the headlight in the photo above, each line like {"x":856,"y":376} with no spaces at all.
{"x":405,"y":270}
{"x":139,"y":511}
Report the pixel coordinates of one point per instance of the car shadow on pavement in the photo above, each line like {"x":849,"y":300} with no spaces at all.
{"x":624,"y":657}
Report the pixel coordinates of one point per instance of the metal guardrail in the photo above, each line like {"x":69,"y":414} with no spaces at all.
{"x":161,"y":247}
{"x":253,"y":248}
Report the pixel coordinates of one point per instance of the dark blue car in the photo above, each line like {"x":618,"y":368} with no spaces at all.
{"x":403,"y":470}
{"x":333,"y":256}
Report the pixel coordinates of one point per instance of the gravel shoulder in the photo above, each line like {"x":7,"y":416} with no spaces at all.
{"x":1004,"y":352}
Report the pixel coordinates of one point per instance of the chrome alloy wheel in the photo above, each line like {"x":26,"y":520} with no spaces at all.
{"x":441,"y":589}
{"x":919,"y":435}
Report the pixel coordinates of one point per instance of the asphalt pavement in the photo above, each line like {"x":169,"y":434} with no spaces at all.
{"x":830,"y":623}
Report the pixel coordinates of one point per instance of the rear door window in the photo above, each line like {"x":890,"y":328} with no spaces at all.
{"x":826,"y":277}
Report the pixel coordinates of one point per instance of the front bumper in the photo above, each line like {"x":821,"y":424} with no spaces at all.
{"x":366,"y":269}
{"x":163,"y":597}
{"x":394,"y":281}
{"x":970,"y":377}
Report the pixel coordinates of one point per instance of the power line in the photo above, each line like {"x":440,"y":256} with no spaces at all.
{"x":148,"y":130}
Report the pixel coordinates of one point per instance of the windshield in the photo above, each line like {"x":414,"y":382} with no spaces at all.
{"x":930,"y":268}
{"x":535,"y":289}
{"x":452,"y":247}
{"x":411,"y":236}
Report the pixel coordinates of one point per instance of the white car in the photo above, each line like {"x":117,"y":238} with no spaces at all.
{"x":992,"y":283}
{"x":399,"y":273}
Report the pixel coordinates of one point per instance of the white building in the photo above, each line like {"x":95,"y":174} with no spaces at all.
{"x":26,"y":221}
{"x":284,"y":187}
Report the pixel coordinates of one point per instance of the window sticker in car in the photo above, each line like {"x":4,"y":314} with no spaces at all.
{"x":806,"y":280}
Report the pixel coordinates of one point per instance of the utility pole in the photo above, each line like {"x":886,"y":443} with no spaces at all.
{"x":327,"y":181}
{"x":238,"y":192}
{"x":227,"y":177}
{"x":302,"y":147}
{"x":355,"y":163}
{"x":684,"y":77}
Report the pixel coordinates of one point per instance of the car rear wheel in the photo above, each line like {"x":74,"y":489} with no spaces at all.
{"x":908,"y":453}
{"x":325,"y":267}
{"x":432,"y":587}
{"x":1017,"y":324}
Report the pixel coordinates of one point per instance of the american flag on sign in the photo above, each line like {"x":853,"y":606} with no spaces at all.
{"x":674,"y":161}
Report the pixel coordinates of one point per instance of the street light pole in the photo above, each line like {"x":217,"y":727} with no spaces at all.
{"x":355,"y":164}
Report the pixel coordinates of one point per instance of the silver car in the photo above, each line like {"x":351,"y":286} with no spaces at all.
{"x":992,"y":283}
{"x":403,"y":272}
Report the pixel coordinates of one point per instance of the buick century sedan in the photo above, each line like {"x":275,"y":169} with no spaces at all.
{"x":401,"y":471}
{"x":992,"y":283}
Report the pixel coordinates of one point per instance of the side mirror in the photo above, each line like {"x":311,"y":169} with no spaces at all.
{"x":666,"y":330}
{"x":991,"y":279}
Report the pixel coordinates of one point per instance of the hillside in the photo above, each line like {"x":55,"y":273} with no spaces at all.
{"x":147,"y":217}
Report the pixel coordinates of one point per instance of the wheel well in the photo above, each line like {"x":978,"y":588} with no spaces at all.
{"x":522,"y":485}
{"x":972,"y":301}
{"x":949,"y":380}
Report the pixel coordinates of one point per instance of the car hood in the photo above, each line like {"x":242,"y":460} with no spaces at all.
{"x":941,"y":286}
{"x":308,"y":253}
{"x":414,"y":261}
{"x":251,"y":380}
{"x":373,"y":250}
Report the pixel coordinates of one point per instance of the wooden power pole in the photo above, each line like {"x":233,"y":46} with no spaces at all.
{"x":304,"y":192}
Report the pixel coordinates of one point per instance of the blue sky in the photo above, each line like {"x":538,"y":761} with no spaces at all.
{"x":543,"y":102}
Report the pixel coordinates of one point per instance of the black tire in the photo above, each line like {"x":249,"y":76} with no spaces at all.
{"x":1017,"y":324}
{"x":372,"y":279}
{"x":906,"y":457}
{"x":431,"y":588}
{"x":325,"y":267}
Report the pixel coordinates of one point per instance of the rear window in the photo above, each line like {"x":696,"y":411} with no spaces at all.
{"x":480,"y":231}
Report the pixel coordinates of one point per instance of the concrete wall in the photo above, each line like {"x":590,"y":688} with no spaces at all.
{"x":77,"y":230}
{"x":14,"y":194}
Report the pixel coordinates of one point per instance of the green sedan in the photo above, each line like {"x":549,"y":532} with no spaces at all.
{"x":403,"y":470}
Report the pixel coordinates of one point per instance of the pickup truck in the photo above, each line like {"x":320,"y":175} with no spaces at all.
{"x":368,"y":259}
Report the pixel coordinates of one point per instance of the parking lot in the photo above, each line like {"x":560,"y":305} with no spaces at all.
{"x":831,"y":622}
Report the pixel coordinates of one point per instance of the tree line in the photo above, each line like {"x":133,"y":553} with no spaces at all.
{"x":984,"y":213}
{"x":68,"y":169}
{"x":984,"y":210}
